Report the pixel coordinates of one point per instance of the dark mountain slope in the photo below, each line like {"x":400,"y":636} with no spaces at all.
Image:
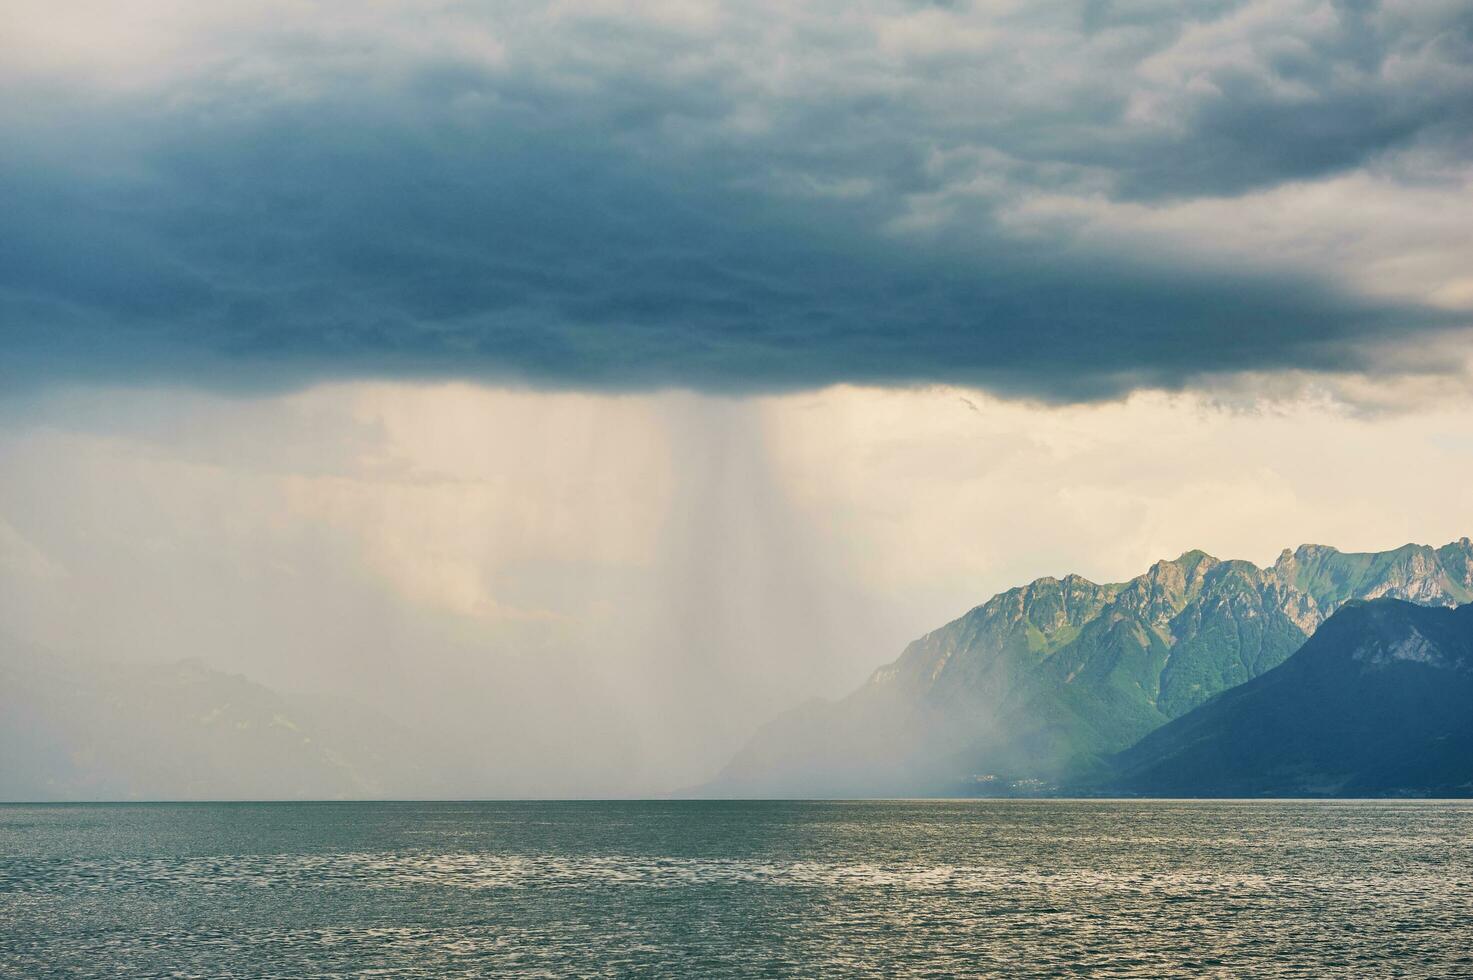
{"x":1378,"y":702}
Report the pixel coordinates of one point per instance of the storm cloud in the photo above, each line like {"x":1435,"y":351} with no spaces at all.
{"x":1064,"y":200}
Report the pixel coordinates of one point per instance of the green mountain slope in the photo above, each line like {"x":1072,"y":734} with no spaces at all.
{"x":1378,"y":702}
{"x":1047,"y":680}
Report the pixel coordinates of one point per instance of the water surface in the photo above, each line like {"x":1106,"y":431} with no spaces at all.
{"x":725,"y":889}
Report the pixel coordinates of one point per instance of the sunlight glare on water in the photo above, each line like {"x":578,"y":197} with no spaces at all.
{"x":718,"y":889}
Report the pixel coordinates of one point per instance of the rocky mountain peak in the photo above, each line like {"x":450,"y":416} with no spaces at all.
{"x":1166,"y":587}
{"x":1457,"y":563}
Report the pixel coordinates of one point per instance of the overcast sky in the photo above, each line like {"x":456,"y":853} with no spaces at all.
{"x":667,"y":363}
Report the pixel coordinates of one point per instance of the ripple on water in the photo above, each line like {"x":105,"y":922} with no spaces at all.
{"x":888,"y":889}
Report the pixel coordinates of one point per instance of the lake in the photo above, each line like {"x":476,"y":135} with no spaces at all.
{"x":734,"y":889}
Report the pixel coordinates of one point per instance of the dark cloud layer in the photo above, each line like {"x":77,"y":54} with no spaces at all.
{"x":596,"y":216}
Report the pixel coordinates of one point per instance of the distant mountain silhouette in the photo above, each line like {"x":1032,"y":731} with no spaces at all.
{"x":83,"y":730}
{"x":1041,"y":684}
{"x":1378,"y":702}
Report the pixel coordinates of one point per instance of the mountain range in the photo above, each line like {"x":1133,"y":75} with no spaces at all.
{"x":1182,"y":681}
{"x":1042,"y":686}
